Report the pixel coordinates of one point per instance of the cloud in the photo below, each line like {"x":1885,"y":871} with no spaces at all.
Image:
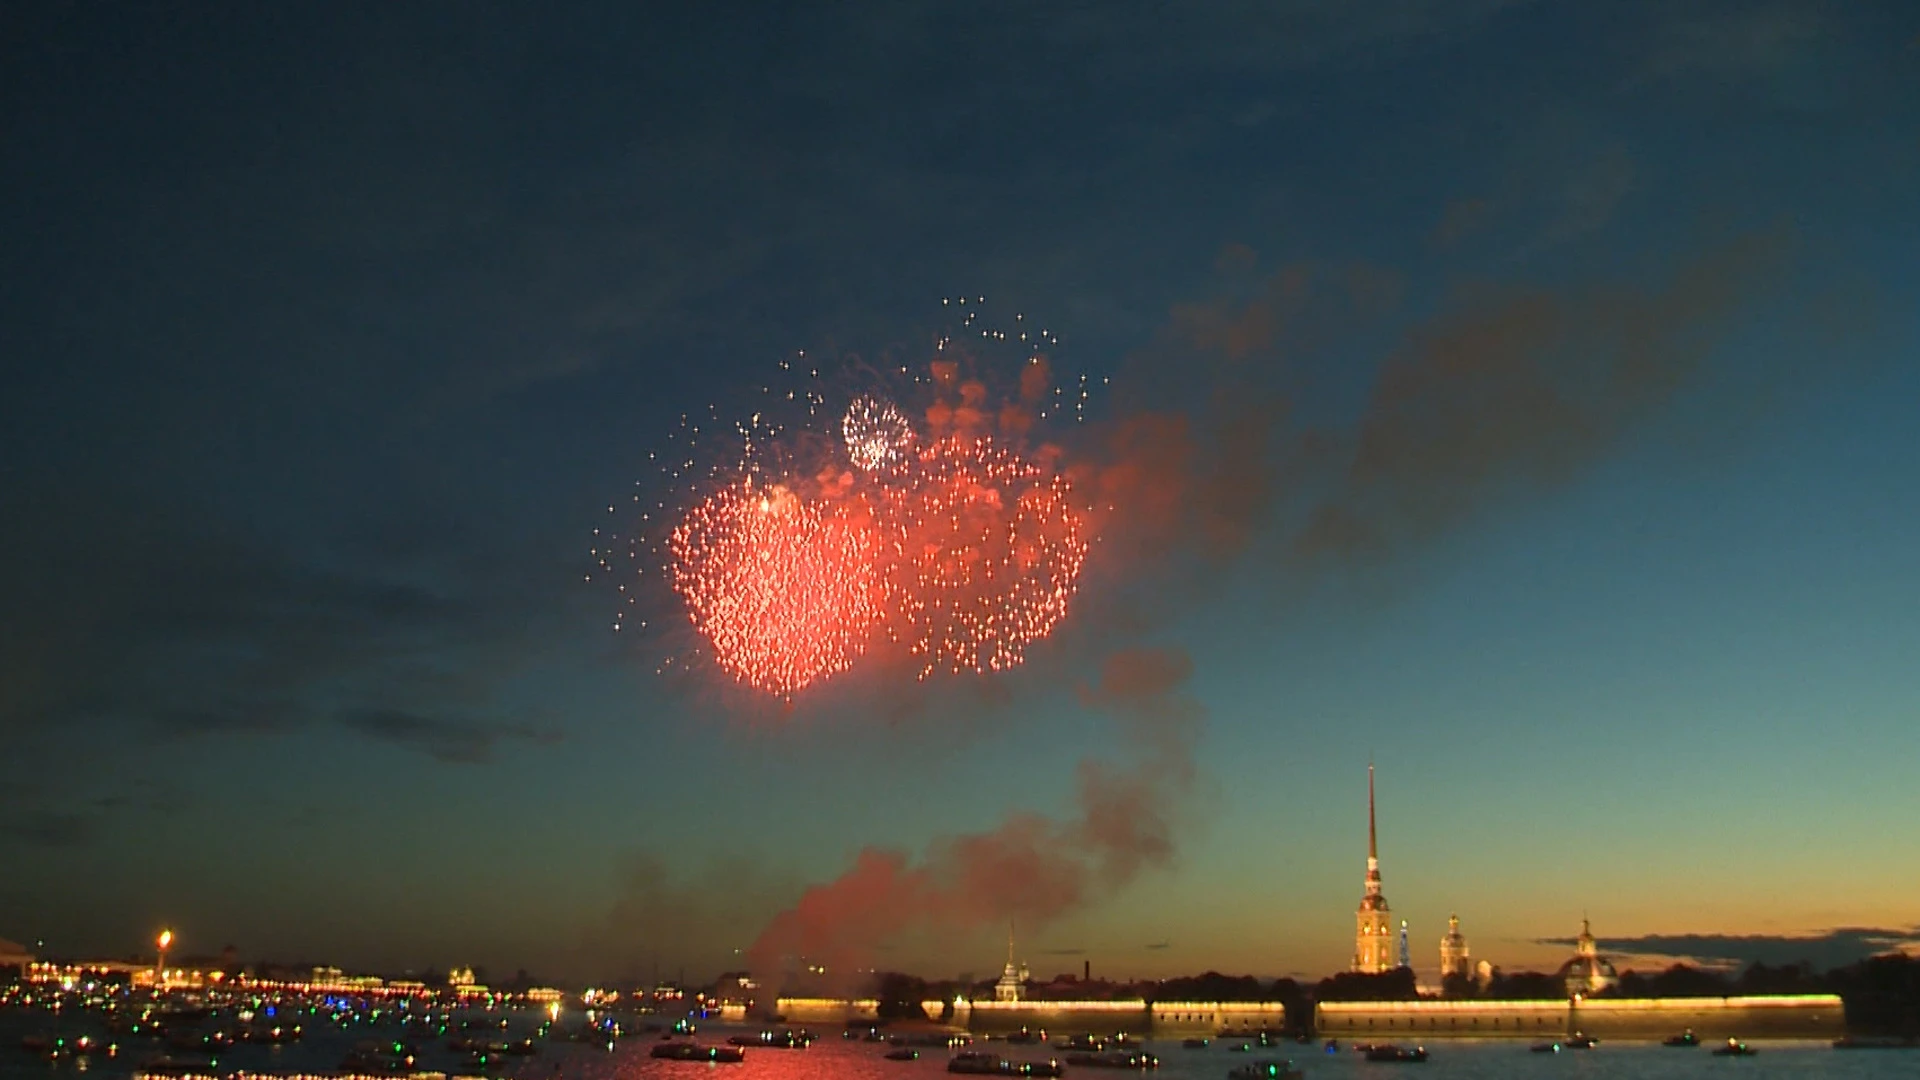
{"x":1835,"y":948}
{"x":1519,"y":390}
{"x":48,"y":828}
{"x":454,"y":740}
{"x":1030,"y":869}
{"x":136,"y":618}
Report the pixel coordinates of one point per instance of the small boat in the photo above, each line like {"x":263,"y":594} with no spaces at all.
{"x":1089,"y":1044}
{"x":1241,"y":1048}
{"x":686,"y":1051}
{"x":902,"y":1054}
{"x":974,"y":1063}
{"x":1266,"y":1070}
{"x":1115,"y":1059}
{"x":1685,"y":1038}
{"x":1048,"y":1068}
{"x":1333,"y":1046}
{"x":1396,"y":1053}
{"x":1025,"y":1037}
{"x":1734,"y":1048}
{"x":1580,"y":1041}
{"x":1546,"y":1048}
{"x":1195,"y":1044}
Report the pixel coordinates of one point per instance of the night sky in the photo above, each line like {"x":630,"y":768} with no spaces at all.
{"x":1553,"y":368}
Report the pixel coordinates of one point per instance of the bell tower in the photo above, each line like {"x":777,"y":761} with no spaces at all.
{"x":1373,"y":935}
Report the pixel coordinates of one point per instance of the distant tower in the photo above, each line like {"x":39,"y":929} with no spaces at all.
{"x":1012,"y":980}
{"x":1406,"y":956}
{"x":1373,"y":937}
{"x":1453,"y":952}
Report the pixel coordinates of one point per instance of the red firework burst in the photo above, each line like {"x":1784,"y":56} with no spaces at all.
{"x":988,"y":549}
{"x":785,"y":591}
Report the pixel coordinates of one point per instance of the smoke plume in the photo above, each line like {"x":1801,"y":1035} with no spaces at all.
{"x":1032,"y":868}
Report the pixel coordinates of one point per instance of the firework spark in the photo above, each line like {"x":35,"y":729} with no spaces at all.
{"x":878,"y":435}
{"x":785,"y":591}
{"x":988,"y":549}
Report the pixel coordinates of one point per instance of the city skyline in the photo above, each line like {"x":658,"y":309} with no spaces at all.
{"x":1513,"y":394}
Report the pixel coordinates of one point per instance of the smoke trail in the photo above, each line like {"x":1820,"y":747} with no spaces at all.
{"x":1031,"y":868}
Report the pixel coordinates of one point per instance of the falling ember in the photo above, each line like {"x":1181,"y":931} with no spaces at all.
{"x":988,"y":551}
{"x":877,"y":433}
{"x":786,"y":593}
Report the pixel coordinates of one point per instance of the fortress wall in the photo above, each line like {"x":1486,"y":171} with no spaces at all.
{"x":839,"y":1011}
{"x":1784,"y":1017}
{"x":1162,"y":1020}
{"x":1188,"y":1019}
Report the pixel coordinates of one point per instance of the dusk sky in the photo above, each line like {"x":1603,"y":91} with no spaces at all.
{"x":1550,"y":368}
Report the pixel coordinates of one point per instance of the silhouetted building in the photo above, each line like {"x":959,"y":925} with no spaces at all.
{"x":1373,"y":937}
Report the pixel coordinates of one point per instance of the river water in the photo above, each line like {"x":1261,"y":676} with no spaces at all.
{"x":833,"y":1058}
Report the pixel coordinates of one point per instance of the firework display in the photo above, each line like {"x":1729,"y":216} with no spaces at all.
{"x":945,"y":531}
{"x":785,"y":591}
{"x":988,"y":552}
{"x":878,"y":435}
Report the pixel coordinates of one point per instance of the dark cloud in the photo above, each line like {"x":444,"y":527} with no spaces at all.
{"x":48,"y":828}
{"x":454,"y":740}
{"x":1835,"y":948}
{"x":129,"y":617}
{"x":1517,"y":390}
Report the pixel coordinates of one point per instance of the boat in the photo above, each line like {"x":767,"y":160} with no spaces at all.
{"x":1546,"y":1048}
{"x":1047,"y":1068}
{"x":686,"y":1051}
{"x":974,"y":1063}
{"x":1579,"y":1041}
{"x":1734,"y":1048}
{"x":1266,"y":1070}
{"x":1195,"y":1044}
{"x":1089,"y":1043}
{"x":1025,"y":1037}
{"x":1333,"y":1046}
{"x":1115,"y":1059}
{"x":775,"y":1040}
{"x":1396,"y":1053}
{"x":902,"y":1054}
{"x":1685,"y":1038}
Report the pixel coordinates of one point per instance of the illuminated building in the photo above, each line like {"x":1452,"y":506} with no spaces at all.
{"x":1454,"y":959}
{"x":1373,"y":937}
{"x":1588,"y":972}
{"x":1013,"y":980}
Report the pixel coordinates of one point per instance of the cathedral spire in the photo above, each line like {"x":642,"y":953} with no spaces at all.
{"x":1373,"y":843}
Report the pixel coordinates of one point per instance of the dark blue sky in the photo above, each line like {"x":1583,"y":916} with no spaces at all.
{"x":1582,"y":343}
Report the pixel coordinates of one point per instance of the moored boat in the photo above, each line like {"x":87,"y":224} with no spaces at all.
{"x":1685,"y":1038}
{"x":1265,"y":1070}
{"x":1396,"y":1053}
{"x":686,"y":1051}
{"x":1734,"y":1048}
{"x":1115,"y":1059}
